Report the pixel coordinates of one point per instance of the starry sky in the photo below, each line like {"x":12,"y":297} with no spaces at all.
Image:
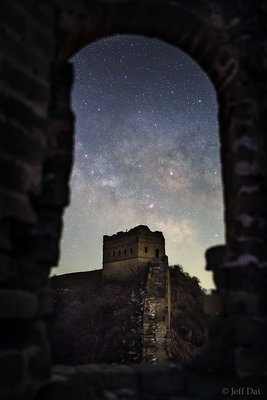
{"x":146,"y":152}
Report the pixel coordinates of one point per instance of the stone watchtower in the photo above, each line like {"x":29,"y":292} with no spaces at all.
{"x":127,"y":254}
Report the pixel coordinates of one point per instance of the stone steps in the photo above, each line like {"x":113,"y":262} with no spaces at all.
{"x":155,"y":314}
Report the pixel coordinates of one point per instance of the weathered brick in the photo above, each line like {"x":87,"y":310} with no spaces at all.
{"x":20,"y":21}
{"x":4,"y":263}
{"x":245,"y":278}
{"x":25,"y":147}
{"x":62,"y":80}
{"x":5,"y":242}
{"x":59,"y":167}
{"x":26,"y":85}
{"x":25,"y":57}
{"x":247,"y":331}
{"x":247,"y":245}
{"x":61,"y":135}
{"x":31,"y":23}
{"x":243,"y":303}
{"x":19,"y":177}
{"x":60,"y":112}
{"x":244,"y":153}
{"x":17,"y":304}
{"x":39,"y":362}
{"x":11,"y":368}
{"x":41,"y":15}
{"x":45,"y":303}
{"x":55,"y":194}
{"x":17,"y":206}
{"x":252,"y":360}
{"x":161,"y":380}
{"x":213,"y":304}
{"x":64,"y":125}
{"x":19,"y":112}
{"x":251,"y":203}
{"x":106,"y":376}
{"x":217,"y":356}
{"x":61,"y":369}
{"x":210,"y":386}
{"x":65,"y":141}
{"x":28,"y":274}
{"x":218,"y":328}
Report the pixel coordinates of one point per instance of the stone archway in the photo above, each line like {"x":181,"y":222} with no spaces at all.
{"x":175,"y":26}
{"x":211,"y":49}
{"x":35,"y":200}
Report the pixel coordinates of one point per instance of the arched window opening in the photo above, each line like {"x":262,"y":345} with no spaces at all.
{"x":147,"y":153}
{"x":147,"y":149}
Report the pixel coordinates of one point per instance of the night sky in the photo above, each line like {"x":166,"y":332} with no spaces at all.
{"x":146,"y":152}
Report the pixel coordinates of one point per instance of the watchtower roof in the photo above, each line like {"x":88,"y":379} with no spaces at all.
{"x":134,"y":231}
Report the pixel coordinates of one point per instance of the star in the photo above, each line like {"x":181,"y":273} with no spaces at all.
{"x":145,"y":154}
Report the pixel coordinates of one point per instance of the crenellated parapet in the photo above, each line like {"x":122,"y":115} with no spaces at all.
{"x":127,"y":254}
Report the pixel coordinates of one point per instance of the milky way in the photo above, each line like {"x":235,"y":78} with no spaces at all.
{"x":147,"y":152}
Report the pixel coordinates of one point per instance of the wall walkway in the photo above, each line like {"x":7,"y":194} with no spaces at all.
{"x":155,"y":321}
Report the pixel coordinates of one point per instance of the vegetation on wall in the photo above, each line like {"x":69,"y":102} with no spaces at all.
{"x":188,"y":320}
{"x":102,"y":323}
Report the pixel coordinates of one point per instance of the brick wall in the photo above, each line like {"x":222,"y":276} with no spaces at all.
{"x":126,"y":254}
{"x":228,"y":39}
{"x":27,"y":45}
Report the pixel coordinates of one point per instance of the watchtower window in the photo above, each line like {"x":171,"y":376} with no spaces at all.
{"x":125,"y":252}
{"x":157,"y":253}
{"x":131,"y":250}
{"x":145,"y":249}
{"x":119,"y":252}
{"x":114,"y":253}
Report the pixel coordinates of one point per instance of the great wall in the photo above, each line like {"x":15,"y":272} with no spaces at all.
{"x":127,"y":255}
{"x":156,"y":322}
{"x":38,"y":38}
{"x":137,"y":256}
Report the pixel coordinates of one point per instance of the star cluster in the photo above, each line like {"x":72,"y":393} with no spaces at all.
{"x":147,"y":152}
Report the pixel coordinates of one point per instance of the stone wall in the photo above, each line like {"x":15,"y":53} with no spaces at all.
{"x":120,"y":248}
{"x":228,"y":40}
{"x":126,"y":254}
{"x":27,"y":245}
{"x":126,"y":270}
{"x":155,"y":320}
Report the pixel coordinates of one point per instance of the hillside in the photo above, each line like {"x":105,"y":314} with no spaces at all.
{"x":188,"y":321}
{"x":102,"y":323}
{"x":95,"y":322}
